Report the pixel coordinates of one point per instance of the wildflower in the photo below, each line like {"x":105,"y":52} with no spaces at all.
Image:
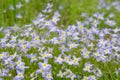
{"x":53,"y":29}
{"x":83,"y":14}
{"x":35,"y":41}
{"x":36,"y":22}
{"x":92,"y":77}
{"x":33,"y":58}
{"x":62,"y":35}
{"x":80,"y":26}
{"x":8,"y":60}
{"x":59,"y":59}
{"x":110,"y":22}
{"x":3,"y":40}
{"x":55,"y":19}
{"x":75,"y":36}
{"x":11,"y":7}
{"x":27,"y":1}
{"x":20,"y":66}
{"x":101,"y":43}
{"x":95,"y":23}
{"x":19,"y":76}
{"x":57,"y":14}
{"x":60,"y":7}
{"x":103,"y":58}
{"x":67,"y":59}
{"x":116,"y":30}
{"x":48,"y":8}
{"x":50,"y":50}
{"x":99,"y":16}
{"x":54,"y":41}
{"x":70,"y":74}
{"x":85,"y":53}
{"x":111,"y":15}
{"x":76,"y":60}
{"x":96,"y":54}
{"x":70,"y":62}
{"x":72,"y":45}
{"x":4,"y":72}
{"x":4,"y":55}
{"x":19,"y":5}
{"x":85,"y":78}
{"x":40,"y":71}
{"x":47,"y":23}
{"x":45,"y":66}
{"x":24,"y":47}
{"x":108,"y":51}
{"x":117,"y":71}
{"x":8,"y":45}
{"x":88,"y":67}
{"x":19,"y":16}
{"x":97,"y":72}
{"x":19,"y":62}
{"x":10,"y":65}
{"x":45,"y":55}
{"x":94,"y":30}
{"x":13,"y":39}
{"x":68,"y":32}
{"x":63,"y":48}
{"x":48,"y":76}
{"x":60,"y":74}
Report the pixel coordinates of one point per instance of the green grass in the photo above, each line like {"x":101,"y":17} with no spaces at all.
{"x":69,"y":14}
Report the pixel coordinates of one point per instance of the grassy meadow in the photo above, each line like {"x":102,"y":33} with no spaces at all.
{"x":59,"y":40}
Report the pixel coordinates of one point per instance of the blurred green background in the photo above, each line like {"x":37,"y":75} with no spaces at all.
{"x":69,"y":14}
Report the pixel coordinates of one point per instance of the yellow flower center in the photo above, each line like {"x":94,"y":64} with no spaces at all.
{"x":66,"y":58}
{"x":18,"y":62}
{"x":44,"y":64}
{"x":33,"y":58}
{"x":20,"y":75}
{"x":36,"y":38}
{"x":81,"y":27}
{"x":87,"y":68}
{"x":75,"y":60}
